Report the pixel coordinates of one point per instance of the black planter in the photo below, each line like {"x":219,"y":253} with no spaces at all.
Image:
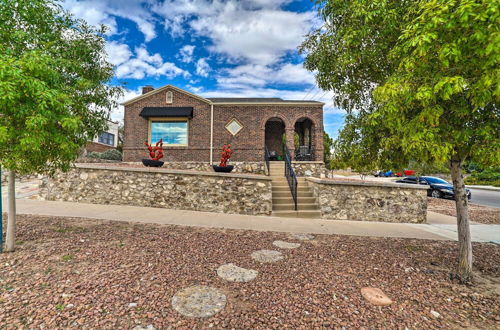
{"x":152,"y":163}
{"x":223,"y":169}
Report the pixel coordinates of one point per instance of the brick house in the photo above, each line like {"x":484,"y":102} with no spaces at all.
{"x":105,"y":140}
{"x":194,"y":128}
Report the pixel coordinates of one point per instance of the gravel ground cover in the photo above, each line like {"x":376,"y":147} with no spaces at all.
{"x":477,"y":213}
{"x":80,"y":273}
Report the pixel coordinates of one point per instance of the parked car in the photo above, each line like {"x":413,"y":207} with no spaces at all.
{"x":439,"y":188}
{"x":405,"y":173}
{"x":391,"y":173}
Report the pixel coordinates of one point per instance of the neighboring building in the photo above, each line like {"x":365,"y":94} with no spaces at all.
{"x":194,"y":128}
{"x":106,"y":140}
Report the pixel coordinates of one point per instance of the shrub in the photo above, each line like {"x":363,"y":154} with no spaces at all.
{"x":111,"y":154}
{"x":94,"y":154}
{"x":487,"y":177}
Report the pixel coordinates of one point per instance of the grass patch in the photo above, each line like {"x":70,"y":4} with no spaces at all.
{"x":60,"y":307}
{"x":67,"y":258}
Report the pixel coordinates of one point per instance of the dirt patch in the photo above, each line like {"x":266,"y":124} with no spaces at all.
{"x":477,"y":213}
{"x":90,"y":277}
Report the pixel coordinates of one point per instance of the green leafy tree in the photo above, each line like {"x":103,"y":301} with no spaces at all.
{"x":54,"y":95}
{"x":327,"y":149}
{"x":435,"y":101}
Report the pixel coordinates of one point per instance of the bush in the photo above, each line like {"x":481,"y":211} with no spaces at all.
{"x":486,"y":177}
{"x":94,"y":154}
{"x":111,"y":154}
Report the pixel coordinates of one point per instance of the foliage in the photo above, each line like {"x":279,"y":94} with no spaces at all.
{"x":94,"y":154}
{"x":111,"y":154}
{"x":53,"y":92}
{"x":296,"y":140}
{"x":327,"y":149}
{"x":121,"y":134}
{"x":420,"y":81}
{"x":489,"y":177}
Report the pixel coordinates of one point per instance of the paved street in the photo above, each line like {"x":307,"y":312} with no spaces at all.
{"x":485,"y":197}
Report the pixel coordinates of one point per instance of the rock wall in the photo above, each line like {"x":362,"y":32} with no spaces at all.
{"x":387,"y":202}
{"x":5,"y":177}
{"x":173,"y":189}
{"x":314,"y":169}
{"x":239,"y":167}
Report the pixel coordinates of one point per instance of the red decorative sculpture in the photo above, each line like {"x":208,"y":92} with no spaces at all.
{"x":225,"y":155}
{"x":156,"y":152}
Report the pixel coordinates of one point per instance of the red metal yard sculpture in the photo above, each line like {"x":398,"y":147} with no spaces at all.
{"x":156,"y":152}
{"x":225,"y":155}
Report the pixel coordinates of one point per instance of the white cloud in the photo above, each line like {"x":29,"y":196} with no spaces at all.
{"x":104,"y":11}
{"x":202,"y":67}
{"x":252,"y":31}
{"x":142,"y":65}
{"x":117,"y":53}
{"x":186,"y":53}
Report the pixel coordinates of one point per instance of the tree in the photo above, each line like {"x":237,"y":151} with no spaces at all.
{"x":438,"y":100}
{"x":327,"y":149}
{"x":54,"y":95}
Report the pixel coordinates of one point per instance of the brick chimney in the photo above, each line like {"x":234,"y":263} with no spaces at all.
{"x":147,"y":89}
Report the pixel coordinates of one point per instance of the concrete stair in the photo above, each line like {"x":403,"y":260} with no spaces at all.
{"x":283,"y":205}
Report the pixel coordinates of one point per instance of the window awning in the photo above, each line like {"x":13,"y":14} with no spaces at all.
{"x":167,"y":112}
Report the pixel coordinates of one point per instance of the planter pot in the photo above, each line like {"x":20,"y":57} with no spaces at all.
{"x":223,"y":169}
{"x":152,"y":163}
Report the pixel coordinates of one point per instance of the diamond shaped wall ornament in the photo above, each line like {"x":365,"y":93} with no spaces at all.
{"x":234,"y":127}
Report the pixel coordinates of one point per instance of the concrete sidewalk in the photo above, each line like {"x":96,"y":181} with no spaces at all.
{"x":439,"y":227}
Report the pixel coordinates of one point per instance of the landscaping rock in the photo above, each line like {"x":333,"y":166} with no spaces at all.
{"x":267,"y":256}
{"x":376,"y":296}
{"x":286,"y":245}
{"x":233,"y":273}
{"x":199,"y":301}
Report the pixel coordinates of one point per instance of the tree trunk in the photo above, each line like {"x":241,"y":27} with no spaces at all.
{"x":11,"y":220}
{"x":464,"y":240}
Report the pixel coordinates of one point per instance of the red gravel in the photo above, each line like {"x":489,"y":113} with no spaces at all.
{"x":101,"y":267}
{"x":477,"y":213}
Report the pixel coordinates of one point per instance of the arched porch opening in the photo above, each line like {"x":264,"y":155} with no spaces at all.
{"x":304,"y":139}
{"x":275,"y":137}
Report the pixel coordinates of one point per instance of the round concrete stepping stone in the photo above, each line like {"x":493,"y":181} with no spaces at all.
{"x":302,"y":237}
{"x":199,"y":301}
{"x":267,"y":256}
{"x":286,"y":245}
{"x":376,"y":296}
{"x":233,"y":273}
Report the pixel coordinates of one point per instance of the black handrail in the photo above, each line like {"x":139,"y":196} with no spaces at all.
{"x":290,"y":176}
{"x":267,"y":157}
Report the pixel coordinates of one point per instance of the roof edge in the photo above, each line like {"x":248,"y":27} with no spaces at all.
{"x":269,"y":103}
{"x":157,"y":90}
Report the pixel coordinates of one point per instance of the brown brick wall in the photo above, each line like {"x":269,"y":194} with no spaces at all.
{"x":97,"y":147}
{"x":248,"y":144}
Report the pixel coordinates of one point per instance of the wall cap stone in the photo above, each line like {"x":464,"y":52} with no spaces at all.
{"x":307,"y":162}
{"x":367,"y":184}
{"x":172,"y":171}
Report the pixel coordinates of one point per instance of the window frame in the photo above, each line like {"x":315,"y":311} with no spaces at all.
{"x":108,"y":136}
{"x":168,"y":119}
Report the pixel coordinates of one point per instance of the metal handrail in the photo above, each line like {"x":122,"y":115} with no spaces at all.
{"x":267,"y":157}
{"x":290,"y":176}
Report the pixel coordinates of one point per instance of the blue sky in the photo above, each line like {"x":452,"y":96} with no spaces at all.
{"x":226,"y":48}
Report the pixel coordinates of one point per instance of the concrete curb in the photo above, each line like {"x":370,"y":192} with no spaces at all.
{"x":484,"y":188}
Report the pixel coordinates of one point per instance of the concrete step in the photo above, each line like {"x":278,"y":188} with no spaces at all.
{"x":287,"y":188}
{"x":289,"y":200}
{"x":286,"y":193}
{"x":283,"y":179}
{"x":291,"y":207}
{"x":297,"y":214}
{"x":285,"y":184}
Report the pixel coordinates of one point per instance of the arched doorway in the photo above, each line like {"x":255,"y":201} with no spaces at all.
{"x":274,"y":137}
{"x":304,"y":139}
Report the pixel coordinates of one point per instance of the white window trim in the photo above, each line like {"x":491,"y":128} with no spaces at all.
{"x":229,"y":123}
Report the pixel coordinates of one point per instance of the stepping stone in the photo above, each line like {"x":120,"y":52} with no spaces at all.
{"x":267,"y":256}
{"x":199,"y":301}
{"x":286,"y":245}
{"x":376,"y":296}
{"x":302,"y":237}
{"x":233,"y":273}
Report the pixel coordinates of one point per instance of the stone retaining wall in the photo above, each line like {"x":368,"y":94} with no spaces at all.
{"x":173,"y":189}
{"x":239,"y":167}
{"x":314,"y":169}
{"x":387,"y":202}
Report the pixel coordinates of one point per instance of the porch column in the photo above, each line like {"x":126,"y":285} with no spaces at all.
{"x":289,"y":141}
